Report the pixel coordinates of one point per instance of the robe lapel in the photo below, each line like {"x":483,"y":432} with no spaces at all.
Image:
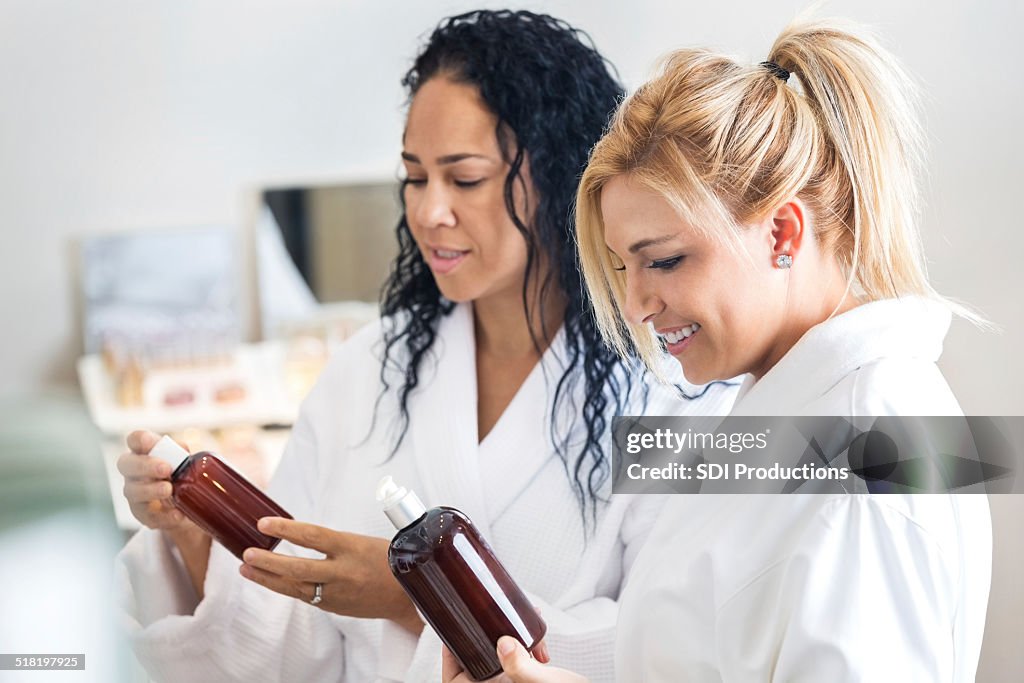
{"x":443,"y":423}
{"x":518,"y":447}
{"x":483,"y":480}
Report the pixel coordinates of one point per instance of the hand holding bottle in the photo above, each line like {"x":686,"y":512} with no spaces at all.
{"x":354,"y":574}
{"x":518,"y":665}
{"x":147,"y":487}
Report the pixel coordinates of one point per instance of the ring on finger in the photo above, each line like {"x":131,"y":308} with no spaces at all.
{"x":318,"y":594}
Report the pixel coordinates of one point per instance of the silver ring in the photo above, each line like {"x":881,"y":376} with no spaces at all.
{"x":318,"y":594}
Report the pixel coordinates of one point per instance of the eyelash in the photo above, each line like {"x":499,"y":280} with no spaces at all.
{"x":464,"y":184}
{"x":667,"y":264}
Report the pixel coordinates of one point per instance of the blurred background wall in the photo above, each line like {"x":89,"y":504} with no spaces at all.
{"x":121,"y":115}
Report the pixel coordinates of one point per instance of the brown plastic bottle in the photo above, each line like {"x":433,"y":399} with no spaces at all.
{"x":453,"y":577}
{"x":218,"y":499}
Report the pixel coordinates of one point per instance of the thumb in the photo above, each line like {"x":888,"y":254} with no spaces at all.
{"x":517,"y":662}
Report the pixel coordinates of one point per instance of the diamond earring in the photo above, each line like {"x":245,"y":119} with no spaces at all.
{"x":784,"y":261}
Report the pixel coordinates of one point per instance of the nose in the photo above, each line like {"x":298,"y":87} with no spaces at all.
{"x":641,"y":302}
{"x":434,"y":207}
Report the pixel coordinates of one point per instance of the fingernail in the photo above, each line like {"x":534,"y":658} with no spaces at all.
{"x":167,"y":490}
{"x":249,"y":555}
{"x":244,"y":571}
{"x":265,"y":524}
{"x":506,"y":645}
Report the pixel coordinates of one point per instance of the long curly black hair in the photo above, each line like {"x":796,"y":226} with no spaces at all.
{"x":553,"y":95}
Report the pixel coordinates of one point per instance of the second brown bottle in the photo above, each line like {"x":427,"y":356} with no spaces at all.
{"x":454,"y":579}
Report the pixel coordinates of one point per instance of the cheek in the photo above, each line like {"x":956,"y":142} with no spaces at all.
{"x":745,"y":327}
{"x":739,"y":315}
{"x":411,"y":207}
{"x":501,"y":244}
{"x":720,"y":300}
{"x":505,"y":261}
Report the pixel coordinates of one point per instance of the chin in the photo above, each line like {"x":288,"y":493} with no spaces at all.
{"x":455,"y":292}
{"x":697,"y":375}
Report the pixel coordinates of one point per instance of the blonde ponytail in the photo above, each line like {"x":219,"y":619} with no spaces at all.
{"x":867,"y":179}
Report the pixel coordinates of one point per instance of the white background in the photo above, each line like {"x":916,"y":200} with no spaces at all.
{"x":140,"y":114}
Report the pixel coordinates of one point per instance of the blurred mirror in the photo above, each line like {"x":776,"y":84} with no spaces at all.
{"x":324,"y":253}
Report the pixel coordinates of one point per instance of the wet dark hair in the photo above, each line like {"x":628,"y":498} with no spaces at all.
{"x":553,"y":95}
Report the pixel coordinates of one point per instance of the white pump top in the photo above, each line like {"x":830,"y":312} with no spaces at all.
{"x":401,"y":506}
{"x":168,"y":451}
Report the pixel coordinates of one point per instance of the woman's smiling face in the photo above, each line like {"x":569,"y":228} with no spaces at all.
{"x":715,"y":305}
{"x":455,"y":194}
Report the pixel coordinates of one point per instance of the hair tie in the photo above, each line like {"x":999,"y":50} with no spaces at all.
{"x":776,"y":71}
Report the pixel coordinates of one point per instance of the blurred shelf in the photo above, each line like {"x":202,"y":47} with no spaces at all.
{"x":267,"y":401}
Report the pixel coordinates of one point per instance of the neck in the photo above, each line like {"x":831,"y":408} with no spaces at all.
{"x":502,"y":328}
{"x":801,"y":314}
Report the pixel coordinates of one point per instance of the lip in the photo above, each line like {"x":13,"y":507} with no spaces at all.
{"x":678,"y":347}
{"x":681,"y":345}
{"x":441,"y":265}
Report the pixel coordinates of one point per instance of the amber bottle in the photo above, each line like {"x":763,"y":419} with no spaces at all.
{"x":218,"y":499}
{"x":453,"y":577}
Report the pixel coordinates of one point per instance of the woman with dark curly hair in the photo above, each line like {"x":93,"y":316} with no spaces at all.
{"x":486,"y":386}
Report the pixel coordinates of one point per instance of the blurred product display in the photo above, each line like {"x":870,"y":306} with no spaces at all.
{"x":163,"y":330}
{"x":132,"y":385}
{"x":213,"y":397}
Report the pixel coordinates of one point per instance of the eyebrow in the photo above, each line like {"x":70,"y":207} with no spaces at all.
{"x":651,"y":242}
{"x":446,"y":159}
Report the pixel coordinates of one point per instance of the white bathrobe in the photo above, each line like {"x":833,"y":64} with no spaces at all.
{"x":820,"y":587}
{"x":512,"y":485}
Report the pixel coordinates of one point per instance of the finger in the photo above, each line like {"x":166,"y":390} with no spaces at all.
{"x":450,"y":667}
{"x":299,"y":533}
{"x":297,"y":568}
{"x":135,"y":466}
{"x":155,"y":515}
{"x":518,"y":664}
{"x":540,"y":652}
{"x":169,"y":516}
{"x":278,"y":584}
{"x":140,"y":492}
{"x":142,"y":441}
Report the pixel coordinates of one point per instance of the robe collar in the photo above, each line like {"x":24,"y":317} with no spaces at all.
{"x":909,"y":328}
{"x":446,"y":449}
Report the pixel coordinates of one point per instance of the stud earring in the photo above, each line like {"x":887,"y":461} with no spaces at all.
{"x":784,"y":261}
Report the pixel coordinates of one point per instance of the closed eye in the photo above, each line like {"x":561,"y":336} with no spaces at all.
{"x":468,"y":183}
{"x":666,"y":264}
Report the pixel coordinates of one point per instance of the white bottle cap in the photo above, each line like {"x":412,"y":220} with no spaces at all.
{"x":168,"y":451}
{"x":401,"y":506}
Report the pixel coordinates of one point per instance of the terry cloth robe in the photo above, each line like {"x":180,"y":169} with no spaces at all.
{"x":806,"y":587}
{"x":513,"y":485}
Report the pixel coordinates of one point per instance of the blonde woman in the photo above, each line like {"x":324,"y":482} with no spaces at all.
{"x":761,"y":219}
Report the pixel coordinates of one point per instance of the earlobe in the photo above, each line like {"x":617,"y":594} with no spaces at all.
{"x":787,"y":232}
